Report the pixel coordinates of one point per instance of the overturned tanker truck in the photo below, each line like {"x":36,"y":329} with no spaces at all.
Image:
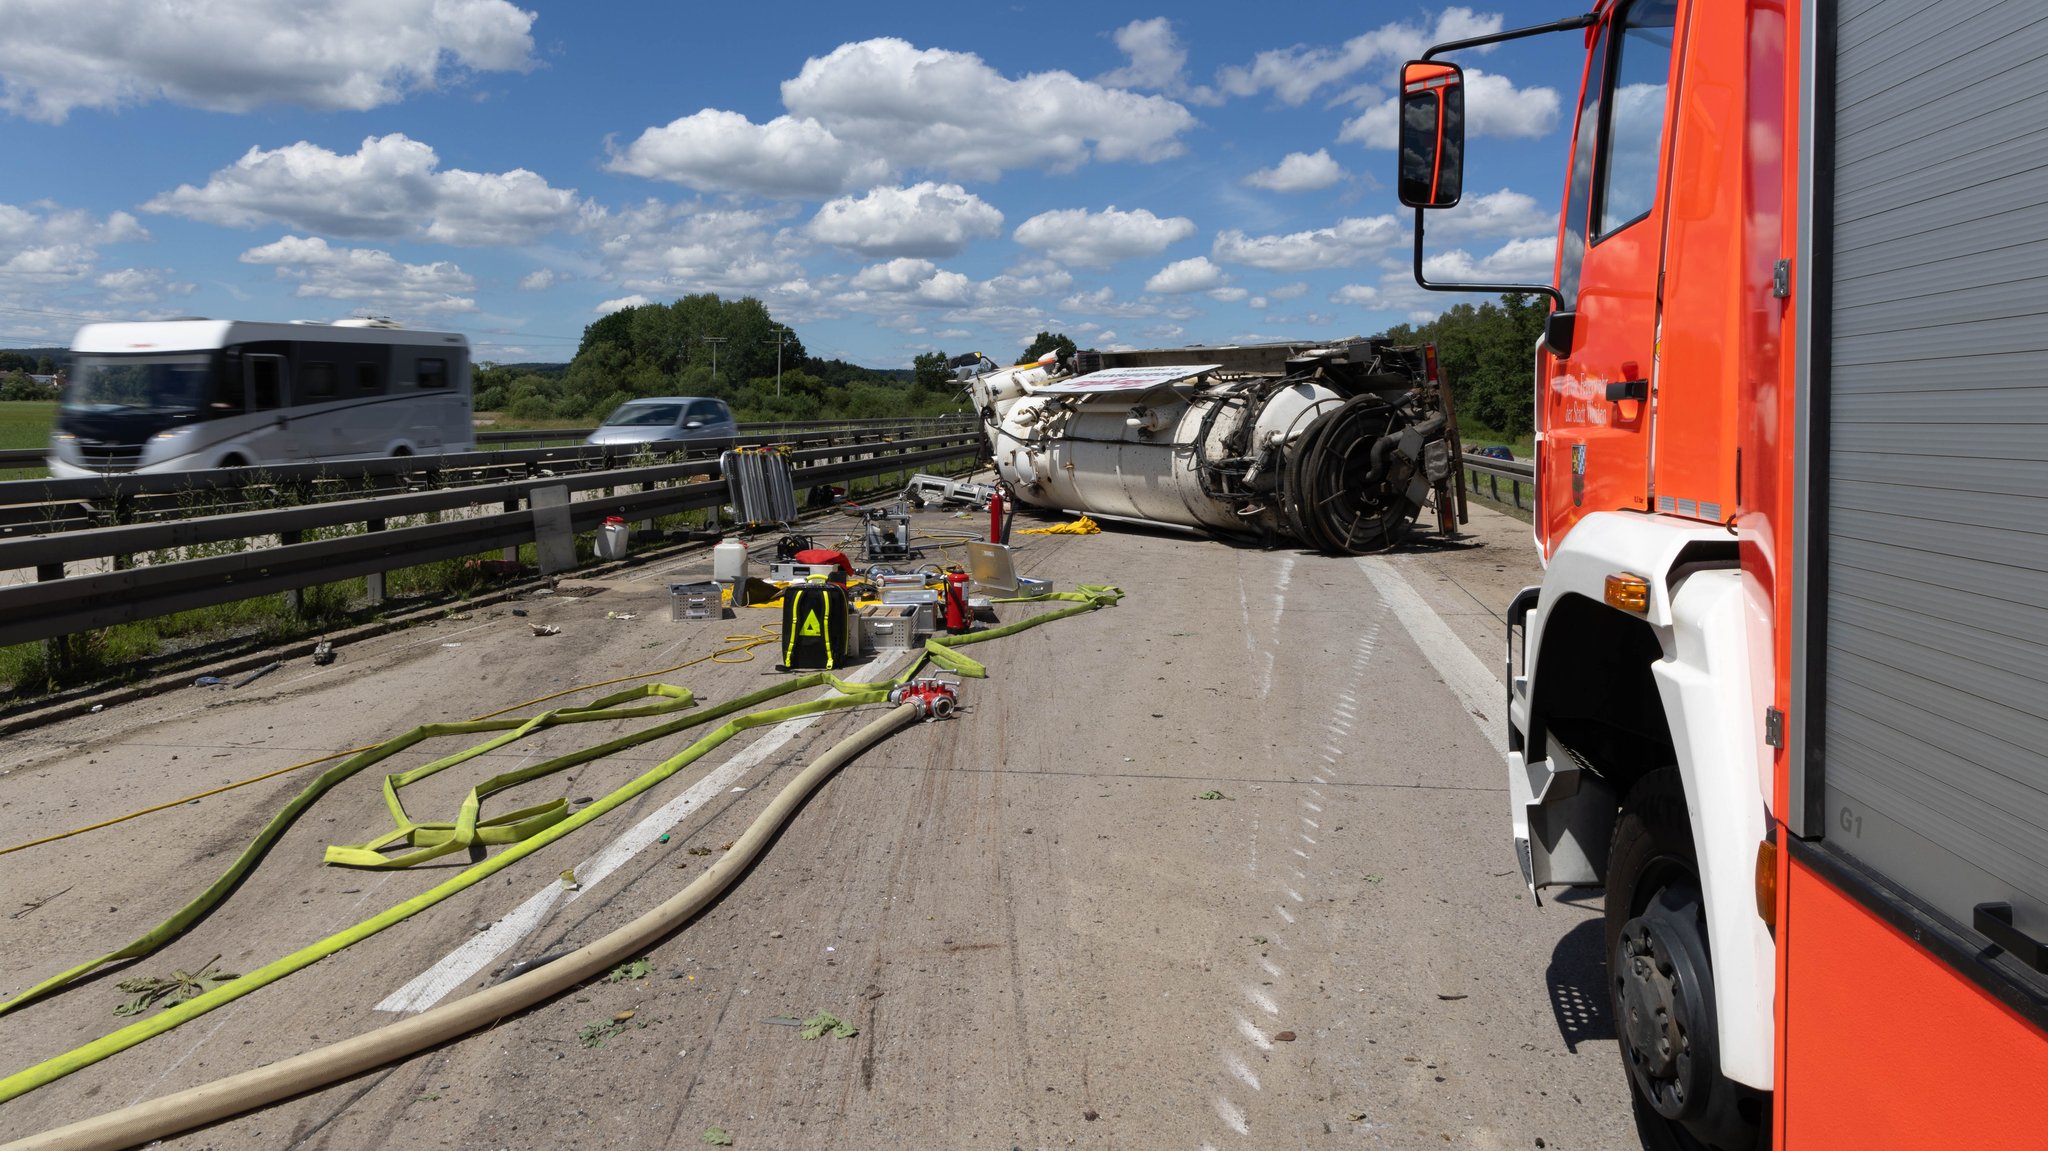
{"x":1338,"y":445}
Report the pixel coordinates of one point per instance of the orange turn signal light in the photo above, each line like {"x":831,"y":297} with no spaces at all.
{"x":1629,"y":592}
{"x":1767,"y":884}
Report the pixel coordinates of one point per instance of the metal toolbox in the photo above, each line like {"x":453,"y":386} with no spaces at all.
{"x":925,"y":600}
{"x":703,"y":600}
{"x":888,"y":627}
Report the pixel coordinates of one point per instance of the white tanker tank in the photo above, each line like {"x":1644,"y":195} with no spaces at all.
{"x":1338,"y":446}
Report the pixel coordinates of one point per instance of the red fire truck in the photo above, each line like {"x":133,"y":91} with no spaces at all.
{"x":1783,"y":690}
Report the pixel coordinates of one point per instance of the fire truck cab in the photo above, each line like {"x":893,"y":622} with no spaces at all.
{"x":1783,"y":690}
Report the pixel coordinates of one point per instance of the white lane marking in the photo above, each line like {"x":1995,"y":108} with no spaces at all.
{"x":1253,"y":1035}
{"x":1241,"y":1071}
{"x":1311,"y":822}
{"x":1294,"y":895}
{"x":1319,"y":779}
{"x":1261,"y":1000}
{"x":1301,"y":853}
{"x":1232,"y":1115}
{"x":462,"y":964}
{"x":1473,"y":682}
{"x":1305,"y":838}
{"x":1272,"y":968}
{"x":1313,"y":806}
{"x":1284,"y":913}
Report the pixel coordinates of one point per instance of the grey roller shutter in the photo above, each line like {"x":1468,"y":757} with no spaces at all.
{"x":1933,"y":724}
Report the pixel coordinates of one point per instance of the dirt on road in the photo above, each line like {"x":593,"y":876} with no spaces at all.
{"x":1225,"y":865}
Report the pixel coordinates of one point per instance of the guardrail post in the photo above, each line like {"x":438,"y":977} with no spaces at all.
{"x":511,"y":554}
{"x":294,"y":598}
{"x":53,"y":648}
{"x":554,"y":535}
{"x":376,"y":579}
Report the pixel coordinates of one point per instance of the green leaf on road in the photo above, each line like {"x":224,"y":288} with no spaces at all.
{"x":817,"y":1025}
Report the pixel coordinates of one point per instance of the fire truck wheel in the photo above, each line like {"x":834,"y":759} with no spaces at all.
{"x":1660,"y":979}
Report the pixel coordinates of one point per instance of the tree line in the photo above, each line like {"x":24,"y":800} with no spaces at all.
{"x":702,"y":345}
{"x":1487,"y":352}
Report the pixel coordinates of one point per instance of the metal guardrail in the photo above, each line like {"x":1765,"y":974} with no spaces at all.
{"x":45,"y":506}
{"x":58,"y":604}
{"x":11,"y":458}
{"x":1517,"y":473}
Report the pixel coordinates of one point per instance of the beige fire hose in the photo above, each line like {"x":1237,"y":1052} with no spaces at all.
{"x":223,"y":1098}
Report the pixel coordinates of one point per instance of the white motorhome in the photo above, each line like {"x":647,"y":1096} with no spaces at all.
{"x":173,"y":395}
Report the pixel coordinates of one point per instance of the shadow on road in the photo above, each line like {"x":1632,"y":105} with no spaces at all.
{"x":1577,"y":978}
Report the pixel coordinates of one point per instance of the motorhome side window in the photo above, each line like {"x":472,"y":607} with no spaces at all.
{"x":1635,"y":117}
{"x":266,"y":381}
{"x":316,"y":381}
{"x":433,"y":372}
{"x":369,"y":379}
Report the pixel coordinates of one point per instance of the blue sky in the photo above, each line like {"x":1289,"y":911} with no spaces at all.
{"x":929,"y":176}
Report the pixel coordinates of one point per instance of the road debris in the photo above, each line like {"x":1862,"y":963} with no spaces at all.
{"x":170,"y":991}
{"x":637,"y":969}
{"x":1212,"y":795}
{"x":33,"y":904}
{"x":824,"y":1021}
{"x":717,"y":1137}
{"x":541,"y":629}
{"x":259,"y":673}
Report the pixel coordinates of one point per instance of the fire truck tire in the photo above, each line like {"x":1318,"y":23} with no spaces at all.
{"x":1660,"y":982}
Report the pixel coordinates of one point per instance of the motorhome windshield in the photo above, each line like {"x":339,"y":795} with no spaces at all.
{"x":178,"y":383}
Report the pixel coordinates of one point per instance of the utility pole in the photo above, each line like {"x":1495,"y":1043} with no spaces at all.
{"x":714,"y":341}
{"x":782,"y":335}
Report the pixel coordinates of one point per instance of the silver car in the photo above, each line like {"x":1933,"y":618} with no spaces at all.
{"x":667,"y":424}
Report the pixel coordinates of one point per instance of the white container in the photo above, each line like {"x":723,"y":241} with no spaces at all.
{"x":611,"y":540}
{"x":729,"y":562}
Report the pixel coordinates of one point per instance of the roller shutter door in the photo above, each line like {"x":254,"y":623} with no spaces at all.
{"x":1932,"y":692}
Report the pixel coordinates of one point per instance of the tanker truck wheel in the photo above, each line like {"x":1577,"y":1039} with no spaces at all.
{"x":1660,"y":979}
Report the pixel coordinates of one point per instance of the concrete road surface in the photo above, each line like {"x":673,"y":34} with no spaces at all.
{"x":1044,"y":934}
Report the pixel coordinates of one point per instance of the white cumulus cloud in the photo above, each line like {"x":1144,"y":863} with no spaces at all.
{"x":1349,"y":241}
{"x":621,"y":304}
{"x":365,"y":277}
{"x":1296,"y":74}
{"x":235,"y":55}
{"x":715,"y":151}
{"x":1494,"y":106}
{"x":1081,"y":238}
{"x":390,"y":187}
{"x":46,"y":245}
{"x":924,"y":219}
{"x":1191,"y":275}
{"x":1355,"y":294}
{"x":1156,"y":57}
{"x":1298,"y":172}
{"x":539,"y":280}
{"x":668,"y":250}
{"x":1503,"y":213}
{"x":1520,"y":261}
{"x":949,"y":111}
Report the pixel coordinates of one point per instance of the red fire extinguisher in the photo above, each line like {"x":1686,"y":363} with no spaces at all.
{"x":995,"y":516}
{"x":959,"y":617}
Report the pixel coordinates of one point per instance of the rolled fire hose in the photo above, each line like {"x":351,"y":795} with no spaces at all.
{"x":224,"y":1098}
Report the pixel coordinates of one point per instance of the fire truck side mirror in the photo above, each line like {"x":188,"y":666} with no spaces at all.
{"x":1557,"y":333}
{"x":1432,"y":134}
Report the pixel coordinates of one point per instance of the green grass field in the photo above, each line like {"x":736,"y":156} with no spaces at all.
{"x":25,"y":424}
